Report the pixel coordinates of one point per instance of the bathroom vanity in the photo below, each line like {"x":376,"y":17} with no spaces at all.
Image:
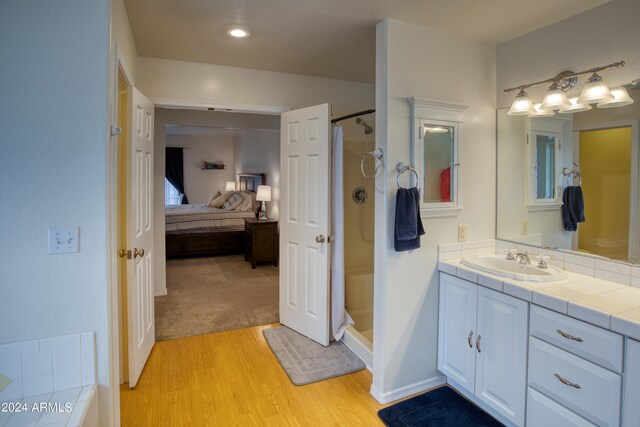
{"x":529,"y":365}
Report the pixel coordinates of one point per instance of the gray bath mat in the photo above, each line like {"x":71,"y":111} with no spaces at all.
{"x":305,"y":361}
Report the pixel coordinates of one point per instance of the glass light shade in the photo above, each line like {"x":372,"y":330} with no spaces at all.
{"x":436,"y":129}
{"x":230,"y":186}
{"x":264,"y":193}
{"x":595,"y":91}
{"x":620,"y":97}
{"x":522,"y":105}
{"x":575,"y":107}
{"x":554,"y":100}
{"x":539,"y":112}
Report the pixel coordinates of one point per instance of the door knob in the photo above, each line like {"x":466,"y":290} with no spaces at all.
{"x":138,"y":252}
{"x":320,"y":238}
{"x":124,"y":253}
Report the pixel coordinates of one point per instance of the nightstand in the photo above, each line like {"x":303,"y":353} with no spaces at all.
{"x":260,"y":241}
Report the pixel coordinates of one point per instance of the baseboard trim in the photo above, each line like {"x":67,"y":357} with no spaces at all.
{"x":160,"y":293}
{"x":408,"y":390}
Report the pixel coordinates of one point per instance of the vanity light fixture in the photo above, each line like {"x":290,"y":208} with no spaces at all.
{"x":575,"y":107}
{"x":522,"y":105}
{"x":595,"y":91}
{"x":540,"y":112}
{"x":238,"y":32}
{"x":620,"y":97}
{"x":435,"y":129}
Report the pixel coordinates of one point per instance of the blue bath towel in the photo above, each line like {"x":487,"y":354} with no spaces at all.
{"x":572,"y":208}
{"x":408,"y":225}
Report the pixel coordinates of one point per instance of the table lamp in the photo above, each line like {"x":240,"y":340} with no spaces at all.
{"x":263,"y":195}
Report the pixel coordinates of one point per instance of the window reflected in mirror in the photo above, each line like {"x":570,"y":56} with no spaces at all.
{"x":545,"y":168}
{"x":438,"y":152}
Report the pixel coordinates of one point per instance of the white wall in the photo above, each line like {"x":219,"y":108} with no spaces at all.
{"x":161,"y":78}
{"x":201,"y":184}
{"x":259,"y":152}
{"x":53,"y":80}
{"x":416,"y":61}
{"x":122,"y":35}
{"x":599,"y":36}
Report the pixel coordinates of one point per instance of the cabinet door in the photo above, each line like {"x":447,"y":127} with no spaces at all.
{"x":630,"y":407}
{"x":456,"y":330}
{"x":501,"y":353}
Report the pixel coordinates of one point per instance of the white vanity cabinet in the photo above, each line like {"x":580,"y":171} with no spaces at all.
{"x":631,"y":401}
{"x":482,"y":345}
{"x":574,"y":372}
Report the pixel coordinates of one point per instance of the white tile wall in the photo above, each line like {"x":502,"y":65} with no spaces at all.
{"x":48,"y":365}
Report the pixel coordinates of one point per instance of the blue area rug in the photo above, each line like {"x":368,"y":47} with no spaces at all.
{"x":442,"y":407}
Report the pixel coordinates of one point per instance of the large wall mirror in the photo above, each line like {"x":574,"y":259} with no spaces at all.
{"x":596,"y":150}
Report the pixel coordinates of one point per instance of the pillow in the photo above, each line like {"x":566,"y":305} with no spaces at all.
{"x":219,"y":201}
{"x":233,"y":202}
{"x":213,"y":197}
{"x":247,"y":201}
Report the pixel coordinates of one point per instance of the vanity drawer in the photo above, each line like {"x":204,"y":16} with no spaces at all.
{"x":584,"y":387}
{"x":591,"y":342}
{"x":544,"y":412}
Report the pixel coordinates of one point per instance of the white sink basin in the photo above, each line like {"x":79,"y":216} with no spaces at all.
{"x":500,"y":266}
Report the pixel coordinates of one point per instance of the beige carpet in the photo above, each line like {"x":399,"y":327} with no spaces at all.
{"x":207,"y":295}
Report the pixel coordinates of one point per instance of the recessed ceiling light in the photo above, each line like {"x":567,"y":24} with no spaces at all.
{"x":238,"y":32}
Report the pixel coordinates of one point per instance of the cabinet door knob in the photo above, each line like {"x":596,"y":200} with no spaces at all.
{"x":320,"y":238}
{"x":469,"y":338}
{"x":478,"y":343}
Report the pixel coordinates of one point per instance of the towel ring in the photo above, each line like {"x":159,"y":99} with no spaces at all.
{"x":402,"y":168}
{"x":376,"y":155}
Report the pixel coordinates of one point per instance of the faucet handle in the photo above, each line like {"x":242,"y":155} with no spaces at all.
{"x":542,"y":261}
{"x":511,"y":254}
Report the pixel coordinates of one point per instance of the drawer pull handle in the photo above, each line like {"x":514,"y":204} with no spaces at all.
{"x":469,"y":338}
{"x":567,"y":382}
{"x":569,"y":336}
{"x":478,"y":343}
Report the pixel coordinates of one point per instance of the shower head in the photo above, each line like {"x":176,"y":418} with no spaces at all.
{"x":367,"y":129}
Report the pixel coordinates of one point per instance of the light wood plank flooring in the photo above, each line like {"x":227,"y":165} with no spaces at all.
{"x":233,"y":379}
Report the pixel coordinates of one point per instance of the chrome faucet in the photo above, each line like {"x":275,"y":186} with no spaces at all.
{"x":511,"y":254}
{"x":524,"y":258}
{"x":542,"y":261}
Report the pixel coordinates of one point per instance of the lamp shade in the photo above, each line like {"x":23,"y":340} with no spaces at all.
{"x":522,"y":105}
{"x":264,"y":193}
{"x":575,"y":107}
{"x":595,"y":91}
{"x":230,"y":186}
{"x":539,"y":112}
{"x":555,"y":99}
{"x":620,"y":97}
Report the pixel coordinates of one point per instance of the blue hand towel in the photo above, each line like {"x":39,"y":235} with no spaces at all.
{"x":572,"y":208}
{"x":408,"y":225}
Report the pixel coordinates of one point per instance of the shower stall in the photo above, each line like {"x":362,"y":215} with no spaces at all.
{"x":359,"y":195}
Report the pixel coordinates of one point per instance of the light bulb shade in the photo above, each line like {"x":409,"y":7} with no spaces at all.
{"x":554,"y":100}
{"x":522,"y":105}
{"x":620,"y":97}
{"x":436,"y":129}
{"x":595,"y":91}
{"x":575,"y":107}
{"x":539,"y":112}
{"x":230,"y":186}
{"x":264,"y":193}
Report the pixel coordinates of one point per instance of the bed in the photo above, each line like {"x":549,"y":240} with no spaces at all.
{"x":199,"y":230}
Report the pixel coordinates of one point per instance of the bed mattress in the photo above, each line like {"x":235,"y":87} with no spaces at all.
{"x":188,"y":217}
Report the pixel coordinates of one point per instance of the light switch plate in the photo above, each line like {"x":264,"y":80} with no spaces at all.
{"x":64,"y":240}
{"x":462,"y":233}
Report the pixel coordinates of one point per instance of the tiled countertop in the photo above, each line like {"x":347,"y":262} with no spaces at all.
{"x":610,"y":305}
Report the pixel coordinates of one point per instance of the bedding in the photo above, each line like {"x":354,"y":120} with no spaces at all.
{"x":187,"y":217}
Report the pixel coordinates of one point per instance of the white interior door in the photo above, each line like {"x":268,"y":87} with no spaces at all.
{"x":304,"y":221}
{"x":141,"y":323}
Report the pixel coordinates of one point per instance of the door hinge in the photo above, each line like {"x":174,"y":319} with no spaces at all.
{"x":115,"y":130}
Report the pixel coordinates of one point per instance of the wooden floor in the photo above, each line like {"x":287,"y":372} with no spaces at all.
{"x":233,"y":379}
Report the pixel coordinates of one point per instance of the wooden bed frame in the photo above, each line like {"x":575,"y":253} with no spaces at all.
{"x":212,"y":241}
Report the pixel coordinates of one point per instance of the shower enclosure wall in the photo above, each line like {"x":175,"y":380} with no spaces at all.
{"x":359,"y":193}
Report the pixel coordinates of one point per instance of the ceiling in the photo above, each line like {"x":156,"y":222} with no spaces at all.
{"x":327,"y":38}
